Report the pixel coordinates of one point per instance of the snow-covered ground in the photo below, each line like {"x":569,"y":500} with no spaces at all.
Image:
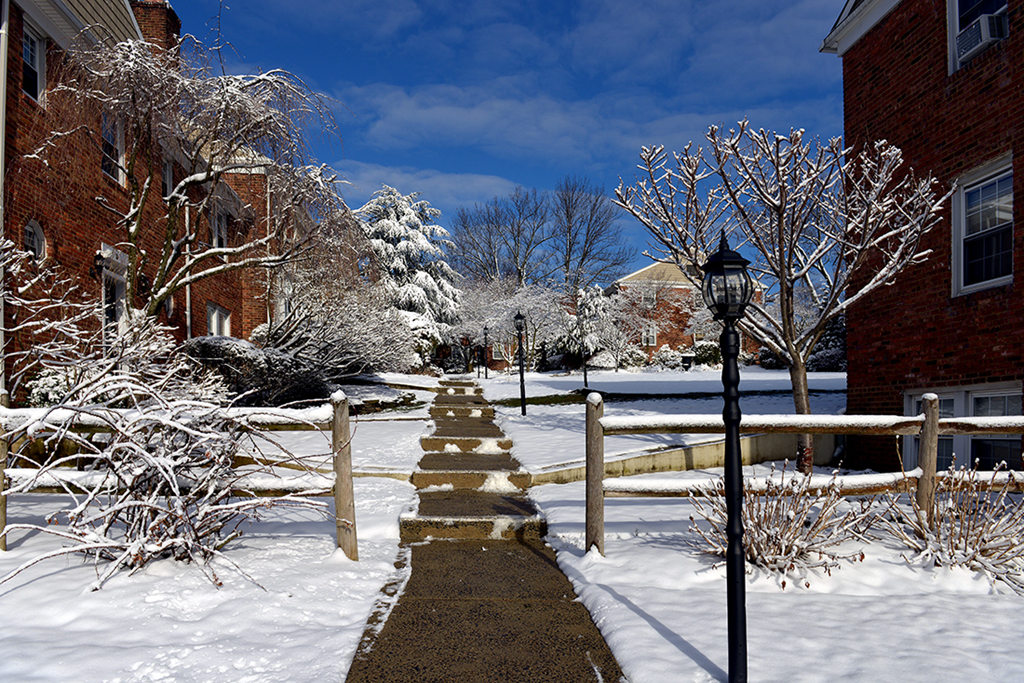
{"x":662,"y":605}
{"x":169,"y":622}
{"x":501,"y":385}
{"x":551,"y":436}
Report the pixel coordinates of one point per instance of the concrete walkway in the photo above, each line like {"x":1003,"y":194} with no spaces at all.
{"x":485,"y":599}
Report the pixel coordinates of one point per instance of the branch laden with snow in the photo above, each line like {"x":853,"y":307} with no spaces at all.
{"x":170,"y":105}
{"x":825,"y":227}
{"x":787,"y":526}
{"x":974,"y":524}
{"x":152,"y":449}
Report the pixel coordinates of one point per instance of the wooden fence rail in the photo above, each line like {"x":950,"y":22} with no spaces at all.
{"x":258,"y":419}
{"x":927,"y":426}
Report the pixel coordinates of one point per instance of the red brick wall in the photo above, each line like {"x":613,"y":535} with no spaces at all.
{"x":61,"y":197}
{"x":916,"y":334}
{"x":157,"y":21}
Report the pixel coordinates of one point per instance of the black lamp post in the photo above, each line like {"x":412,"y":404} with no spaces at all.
{"x":727,"y":290}
{"x":487,"y":345}
{"x":520,"y":321}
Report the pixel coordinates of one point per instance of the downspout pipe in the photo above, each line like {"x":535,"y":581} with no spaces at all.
{"x":5,"y":26}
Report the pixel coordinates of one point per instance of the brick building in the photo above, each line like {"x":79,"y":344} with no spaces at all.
{"x":666,"y":298}
{"x":52,"y":209}
{"x":942,"y":79}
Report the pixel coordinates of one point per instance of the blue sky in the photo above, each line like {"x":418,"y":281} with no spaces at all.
{"x":462,"y":101}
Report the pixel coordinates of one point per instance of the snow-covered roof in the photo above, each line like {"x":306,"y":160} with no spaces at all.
{"x":665,"y":273}
{"x":856,"y":19}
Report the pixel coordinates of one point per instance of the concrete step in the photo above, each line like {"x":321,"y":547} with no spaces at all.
{"x":468,"y":461}
{"x":461,"y":444}
{"x":473,"y":515}
{"x":457,"y":383}
{"x":467,"y":427}
{"x":460,"y":391}
{"x":472,"y":400}
{"x":483,"y":412}
{"x":501,"y":480}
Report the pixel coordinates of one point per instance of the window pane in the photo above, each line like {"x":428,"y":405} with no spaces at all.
{"x":989,"y":255}
{"x":30,"y":64}
{"x":991,"y":453}
{"x":972,"y":9}
{"x":946,"y":457}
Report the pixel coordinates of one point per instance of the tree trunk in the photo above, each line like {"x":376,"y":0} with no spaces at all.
{"x":802,"y":403}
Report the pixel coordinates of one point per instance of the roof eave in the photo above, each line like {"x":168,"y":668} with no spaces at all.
{"x":853,"y":23}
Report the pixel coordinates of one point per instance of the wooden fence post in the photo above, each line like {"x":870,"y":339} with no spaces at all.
{"x":595,"y":474}
{"x":928,"y":456}
{"x":5,"y":401}
{"x":344,"y":499}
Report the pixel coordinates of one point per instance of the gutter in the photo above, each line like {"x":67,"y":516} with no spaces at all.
{"x":4,"y":42}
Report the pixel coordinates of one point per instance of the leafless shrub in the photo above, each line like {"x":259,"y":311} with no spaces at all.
{"x":788,"y":526}
{"x":974,"y":522}
{"x":144,"y":449}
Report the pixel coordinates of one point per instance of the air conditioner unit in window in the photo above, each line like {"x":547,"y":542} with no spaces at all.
{"x":985,"y":30}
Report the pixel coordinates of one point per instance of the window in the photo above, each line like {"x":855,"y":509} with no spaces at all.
{"x":967,"y":35}
{"x":33,"y":62}
{"x":35,"y":241}
{"x":969,"y":10}
{"x":218,"y":320}
{"x":167,"y":179}
{"x":112,"y":146}
{"x":983,"y":232}
{"x":987,"y":452}
{"x":650,"y":335}
{"x":219,"y":230}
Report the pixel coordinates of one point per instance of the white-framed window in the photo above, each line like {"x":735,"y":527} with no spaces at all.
{"x":219,"y":229}
{"x":112,"y":143}
{"x":35,"y":241}
{"x":983,"y":229}
{"x":498,"y":352}
{"x":218,"y":320}
{"x":167,"y":178}
{"x":967,"y":36}
{"x":650,"y":335}
{"x":987,"y":451}
{"x":33,"y":62}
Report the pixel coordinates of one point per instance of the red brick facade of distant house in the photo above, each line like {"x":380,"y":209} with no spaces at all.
{"x":954,"y":324}
{"x":57,"y":202}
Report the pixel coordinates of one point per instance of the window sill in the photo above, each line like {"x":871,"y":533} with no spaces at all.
{"x":984,"y":286}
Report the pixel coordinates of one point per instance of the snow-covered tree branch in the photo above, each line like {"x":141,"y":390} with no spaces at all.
{"x":140,"y":106}
{"x":825,"y":229}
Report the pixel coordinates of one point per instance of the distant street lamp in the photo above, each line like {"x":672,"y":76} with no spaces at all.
{"x":727,"y":290}
{"x":487,"y":345}
{"x":520,"y":321}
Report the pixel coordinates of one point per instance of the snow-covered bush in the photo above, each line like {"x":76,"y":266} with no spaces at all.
{"x":632,"y":356}
{"x":787,"y":527}
{"x":767,"y":359}
{"x":975,"y":522}
{"x":668,"y":358}
{"x":160,"y":481}
{"x":707,"y":353}
{"x":830,"y":352}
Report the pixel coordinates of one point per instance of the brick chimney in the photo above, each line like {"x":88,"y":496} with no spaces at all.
{"x":158,"y":21}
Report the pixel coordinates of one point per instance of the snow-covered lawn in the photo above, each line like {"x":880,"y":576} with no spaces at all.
{"x":661,"y":606}
{"x":169,"y":622}
{"x":551,"y":436}
{"x":501,"y":385}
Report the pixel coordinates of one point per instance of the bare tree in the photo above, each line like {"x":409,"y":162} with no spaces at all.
{"x":586,"y":244}
{"x":138,"y":105}
{"x":821,"y":224}
{"x":505,"y":238}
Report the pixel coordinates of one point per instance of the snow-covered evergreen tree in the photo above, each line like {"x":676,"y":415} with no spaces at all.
{"x":408,"y":248}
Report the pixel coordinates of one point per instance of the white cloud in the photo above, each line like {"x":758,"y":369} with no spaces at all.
{"x":446,"y":191}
